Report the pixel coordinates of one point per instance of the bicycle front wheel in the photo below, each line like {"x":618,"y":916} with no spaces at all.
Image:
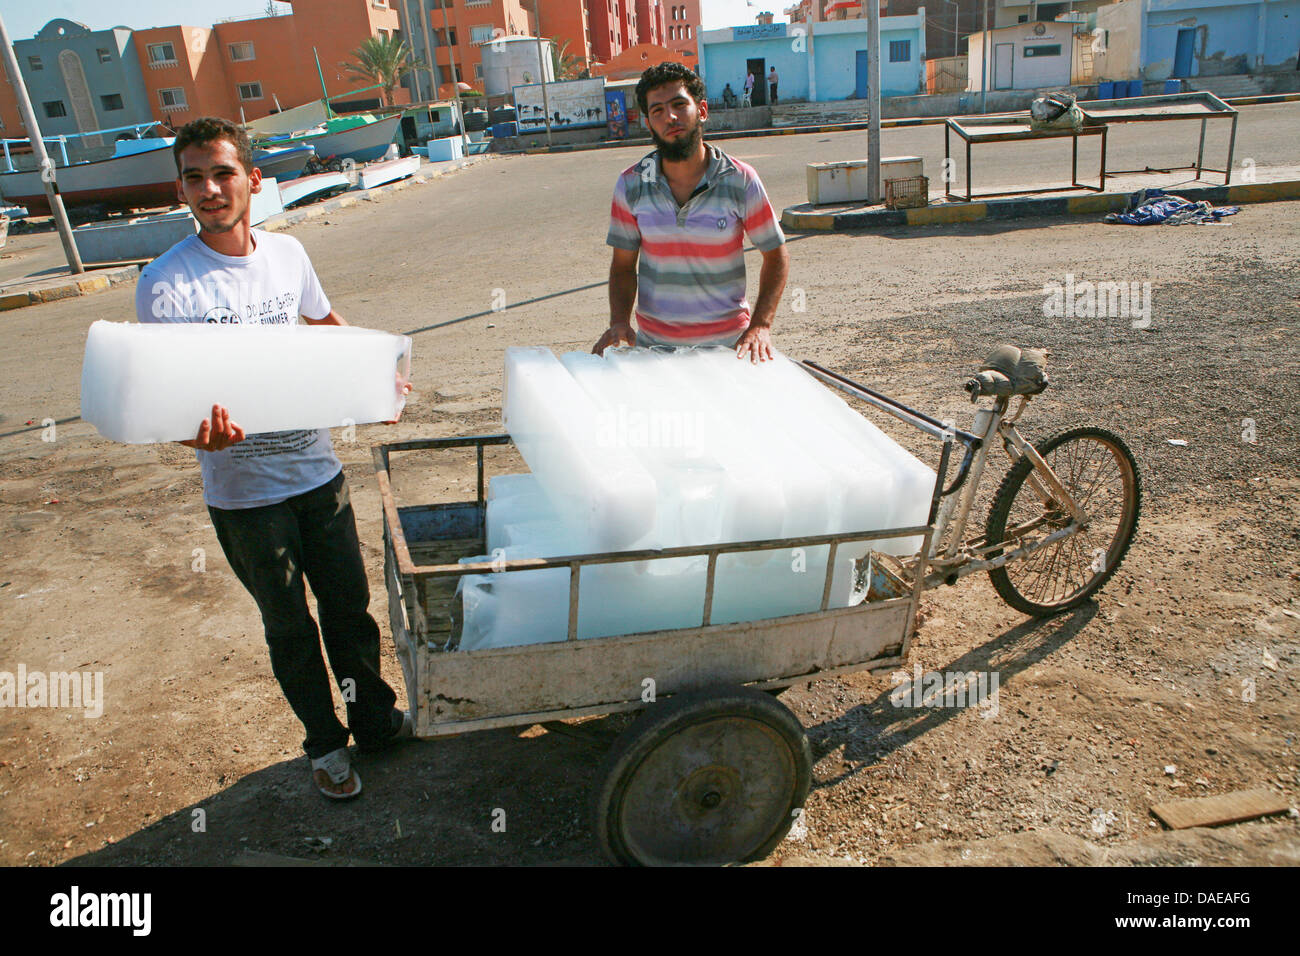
{"x":1098,"y":470}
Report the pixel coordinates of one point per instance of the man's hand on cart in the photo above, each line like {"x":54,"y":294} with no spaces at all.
{"x":216,"y":433}
{"x":756,"y":343}
{"x":618,"y":334}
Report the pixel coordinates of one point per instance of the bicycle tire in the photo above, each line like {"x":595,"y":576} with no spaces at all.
{"x":1068,"y":549}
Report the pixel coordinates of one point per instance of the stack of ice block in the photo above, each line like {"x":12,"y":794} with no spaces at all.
{"x":649,"y":448}
{"x":155,"y":382}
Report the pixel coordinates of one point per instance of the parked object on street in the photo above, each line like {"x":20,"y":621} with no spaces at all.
{"x":284,"y":162}
{"x":718,"y":772}
{"x":361,"y":138}
{"x":140,"y":174}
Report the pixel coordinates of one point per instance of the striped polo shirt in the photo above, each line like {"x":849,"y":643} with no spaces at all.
{"x":691,"y":269}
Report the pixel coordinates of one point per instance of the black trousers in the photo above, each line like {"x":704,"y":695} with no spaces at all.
{"x":771,"y":89}
{"x":271,"y":549}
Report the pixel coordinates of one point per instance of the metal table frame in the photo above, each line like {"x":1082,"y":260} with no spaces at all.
{"x":970,"y":134}
{"x":1139,"y":109}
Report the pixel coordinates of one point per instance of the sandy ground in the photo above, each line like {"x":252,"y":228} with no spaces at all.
{"x":101,"y":548}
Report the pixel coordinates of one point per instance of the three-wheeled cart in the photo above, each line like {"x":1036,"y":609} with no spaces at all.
{"x":716,"y":769}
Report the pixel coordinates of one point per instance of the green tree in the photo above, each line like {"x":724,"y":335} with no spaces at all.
{"x":384,"y":62}
{"x":567,"y":65}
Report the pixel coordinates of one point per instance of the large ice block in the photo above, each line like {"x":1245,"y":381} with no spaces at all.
{"x":649,"y":448}
{"x":156,"y":382}
{"x":605,"y":494}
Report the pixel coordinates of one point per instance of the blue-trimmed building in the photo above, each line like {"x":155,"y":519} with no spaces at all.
{"x":81,"y":79}
{"x":815,"y":61}
{"x":1164,"y":39}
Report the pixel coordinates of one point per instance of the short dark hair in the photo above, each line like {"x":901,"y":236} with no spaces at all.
{"x":663,"y":73}
{"x":207,"y":129}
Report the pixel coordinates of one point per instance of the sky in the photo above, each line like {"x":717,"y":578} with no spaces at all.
{"x":24,"y":17}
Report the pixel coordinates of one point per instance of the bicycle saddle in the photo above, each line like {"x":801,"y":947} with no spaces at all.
{"x":1009,"y":371}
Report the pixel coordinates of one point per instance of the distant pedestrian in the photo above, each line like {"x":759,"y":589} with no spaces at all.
{"x":771,"y":86}
{"x":747,"y":99}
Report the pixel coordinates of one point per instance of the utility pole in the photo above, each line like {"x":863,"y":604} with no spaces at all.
{"x":428,"y":49}
{"x":43,"y":161}
{"x":455,"y":77}
{"x":873,"y":101}
{"x":541,"y":69}
{"x":984,"y":62}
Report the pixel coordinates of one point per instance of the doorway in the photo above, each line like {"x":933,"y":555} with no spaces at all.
{"x":1183,"y":52}
{"x":1003,"y":65}
{"x":759,"y":68}
{"x":862,"y":86}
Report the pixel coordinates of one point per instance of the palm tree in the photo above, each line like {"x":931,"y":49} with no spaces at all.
{"x":567,"y":65}
{"x":383,"y":61}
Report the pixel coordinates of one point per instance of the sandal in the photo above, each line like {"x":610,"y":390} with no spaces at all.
{"x":338,"y":767}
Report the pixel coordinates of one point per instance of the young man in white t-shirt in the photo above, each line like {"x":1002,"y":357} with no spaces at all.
{"x":278,"y":501}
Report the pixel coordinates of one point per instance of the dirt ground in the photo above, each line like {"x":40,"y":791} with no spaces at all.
{"x":1188,"y":658}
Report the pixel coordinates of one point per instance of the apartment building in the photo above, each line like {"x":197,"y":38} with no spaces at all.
{"x":682,"y":25}
{"x":81,"y":79}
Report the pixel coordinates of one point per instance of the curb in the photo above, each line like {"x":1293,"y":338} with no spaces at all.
{"x":835,"y":128}
{"x":88,"y":283}
{"x":1023,"y":207}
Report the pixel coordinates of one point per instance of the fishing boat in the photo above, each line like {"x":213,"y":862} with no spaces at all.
{"x":283,"y":163}
{"x":140,"y":174}
{"x":361,"y":138}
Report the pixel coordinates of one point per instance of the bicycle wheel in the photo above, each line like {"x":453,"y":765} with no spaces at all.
{"x":1099,"y":472}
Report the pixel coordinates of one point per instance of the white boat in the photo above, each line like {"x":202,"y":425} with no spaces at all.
{"x":315,"y":187}
{"x":377,"y":174}
{"x":139,"y":175}
{"x":359,"y":138}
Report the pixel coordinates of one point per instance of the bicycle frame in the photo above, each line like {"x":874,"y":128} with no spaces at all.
{"x":950,"y":511}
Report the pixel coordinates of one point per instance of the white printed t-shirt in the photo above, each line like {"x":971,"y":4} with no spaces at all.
{"x":190,"y":282}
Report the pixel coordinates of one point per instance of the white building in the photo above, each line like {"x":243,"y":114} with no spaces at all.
{"x":1027,"y":56}
{"x":512,"y":61}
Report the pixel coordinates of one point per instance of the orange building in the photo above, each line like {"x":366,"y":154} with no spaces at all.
{"x":456,"y":29}
{"x":634,"y":61}
{"x":683,"y":25}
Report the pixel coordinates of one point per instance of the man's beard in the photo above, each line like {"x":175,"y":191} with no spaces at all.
{"x":683,"y":148}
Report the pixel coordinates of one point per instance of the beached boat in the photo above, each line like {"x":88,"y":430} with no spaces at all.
{"x":361,"y":138}
{"x":140,"y":174}
{"x":282,"y":163}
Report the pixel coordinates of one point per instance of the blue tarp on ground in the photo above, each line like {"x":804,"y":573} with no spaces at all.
{"x":1154,"y":207}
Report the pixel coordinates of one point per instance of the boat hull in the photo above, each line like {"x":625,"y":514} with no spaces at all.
{"x":284,"y":164}
{"x":138,"y":181}
{"x":361,"y":144}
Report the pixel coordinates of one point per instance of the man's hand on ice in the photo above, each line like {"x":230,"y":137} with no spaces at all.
{"x":217,"y":433}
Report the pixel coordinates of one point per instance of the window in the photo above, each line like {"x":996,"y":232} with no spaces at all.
{"x":250,"y":91}
{"x":444,"y":34}
{"x":1023,"y":18}
{"x":242,"y":51}
{"x":900,"y":51}
{"x":478,"y":71}
{"x":111,"y":102}
{"x":480,"y":34}
{"x":172,"y":99}
{"x":54,"y":109}
{"x":34,"y":63}
{"x":161,"y":53}
{"x":1044,"y":49}
{"x":105,"y":56}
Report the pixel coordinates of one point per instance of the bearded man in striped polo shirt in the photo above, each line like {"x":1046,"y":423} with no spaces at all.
{"x":677,"y":225}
